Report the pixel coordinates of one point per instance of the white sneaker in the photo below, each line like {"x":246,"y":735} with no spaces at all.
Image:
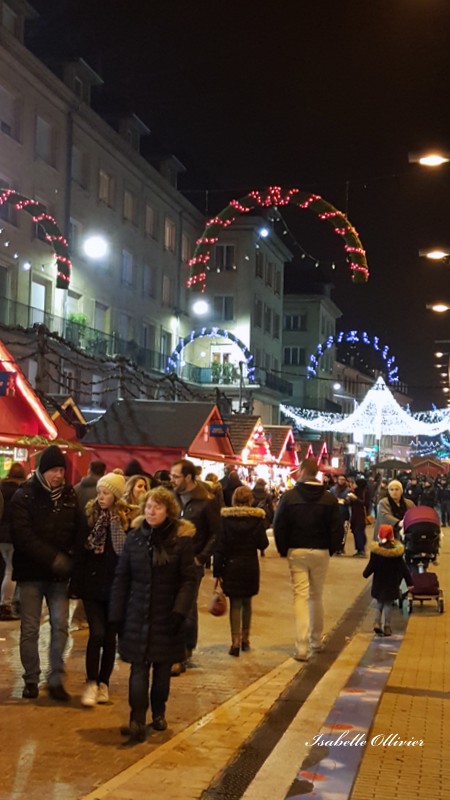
{"x":89,"y":696}
{"x":102,"y":693}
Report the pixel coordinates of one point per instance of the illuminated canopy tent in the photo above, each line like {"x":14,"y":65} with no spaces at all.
{"x":378,"y":414}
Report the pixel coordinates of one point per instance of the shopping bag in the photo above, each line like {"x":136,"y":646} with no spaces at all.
{"x":218,"y":602}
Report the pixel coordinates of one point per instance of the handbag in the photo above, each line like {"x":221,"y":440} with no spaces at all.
{"x":370,"y":519}
{"x":217,"y":605}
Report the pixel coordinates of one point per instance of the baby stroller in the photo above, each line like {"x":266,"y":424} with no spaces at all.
{"x":421,"y":534}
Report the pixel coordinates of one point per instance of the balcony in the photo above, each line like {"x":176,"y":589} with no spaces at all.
{"x":214,"y":376}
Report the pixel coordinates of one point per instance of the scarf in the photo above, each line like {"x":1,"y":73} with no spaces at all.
{"x":398,"y":511}
{"x":154,"y":538}
{"x":55,"y":494}
{"x":96,"y":540}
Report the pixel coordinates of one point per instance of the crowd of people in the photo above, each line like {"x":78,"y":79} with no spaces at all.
{"x":132,"y":549}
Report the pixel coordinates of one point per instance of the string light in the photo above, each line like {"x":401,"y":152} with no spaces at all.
{"x":353,"y":337}
{"x":175,"y":357}
{"x":276,"y":196}
{"x":378,"y":414}
{"x":51,"y":231}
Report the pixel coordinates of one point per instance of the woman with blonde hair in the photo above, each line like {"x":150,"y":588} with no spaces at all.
{"x":153,"y":590}
{"x":135,"y":489}
{"x":98,"y":551}
{"x":236,"y":562}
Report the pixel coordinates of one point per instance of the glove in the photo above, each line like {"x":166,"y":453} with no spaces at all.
{"x":62,"y":565}
{"x":175,"y":621}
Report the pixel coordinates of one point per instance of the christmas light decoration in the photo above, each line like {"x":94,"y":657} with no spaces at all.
{"x":378,"y":414}
{"x":175,"y":357}
{"x":51,"y":231}
{"x":275,"y":196}
{"x":354,"y":337}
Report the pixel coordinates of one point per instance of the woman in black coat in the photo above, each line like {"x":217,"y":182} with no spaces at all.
{"x":236,"y":562}
{"x":153,"y":590}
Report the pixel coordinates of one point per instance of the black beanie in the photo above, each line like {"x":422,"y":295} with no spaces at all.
{"x":51,"y":457}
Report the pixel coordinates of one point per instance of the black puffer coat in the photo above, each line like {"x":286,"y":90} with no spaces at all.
{"x":152,"y":583}
{"x":388,"y":568}
{"x":202,"y":511}
{"x":41,"y":531}
{"x":308,"y":517}
{"x":236,"y":555}
{"x":8,"y":489}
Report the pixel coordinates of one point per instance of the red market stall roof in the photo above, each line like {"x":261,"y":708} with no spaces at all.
{"x":428,"y":466}
{"x":21,"y":412}
{"x":282,"y":444}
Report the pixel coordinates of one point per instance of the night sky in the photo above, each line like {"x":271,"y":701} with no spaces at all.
{"x":329,"y":97}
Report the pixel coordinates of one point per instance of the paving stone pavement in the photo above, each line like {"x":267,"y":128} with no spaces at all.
{"x":65,"y":752}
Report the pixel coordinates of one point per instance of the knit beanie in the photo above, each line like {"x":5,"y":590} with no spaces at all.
{"x":385,"y":533}
{"x":114,"y":483}
{"x":51,"y":457}
{"x":395,"y":484}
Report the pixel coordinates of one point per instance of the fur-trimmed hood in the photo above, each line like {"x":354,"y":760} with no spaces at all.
{"x":392,"y":549}
{"x":242,"y":511}
{"x":184,"y":528}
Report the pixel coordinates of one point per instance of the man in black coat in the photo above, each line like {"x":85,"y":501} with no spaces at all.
{"x":45,"y":520}
{"x":308,"y":529}
{"x":198,"y":506}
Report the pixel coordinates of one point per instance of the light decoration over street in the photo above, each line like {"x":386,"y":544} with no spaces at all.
{"x":378,"y":414}
{"x":52,"y":234}
{"x":276,"y":196}
{"x":354,"y":337}
{"x":175,"y":357}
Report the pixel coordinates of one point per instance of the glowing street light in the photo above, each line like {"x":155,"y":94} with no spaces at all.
{"x":434,"y":159}
{"x":200,"y":307}
{"x":437,"y":254}
{"x":439,"y":308}
{"x":95,"y":247}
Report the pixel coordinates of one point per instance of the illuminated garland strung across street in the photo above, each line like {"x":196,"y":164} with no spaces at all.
{"x":53,"y":235}
{"x":275,"y":196}
{"x":378,"y":414}
{"x":175,"y":357}
{"x":439,"y":447}
{"x":353,"y":337}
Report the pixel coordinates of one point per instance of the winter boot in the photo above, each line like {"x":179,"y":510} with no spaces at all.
{"x":138,"y":734}
{"x":235,"y":646}
{"x":377,"y":625}
{"x":245,"y":643}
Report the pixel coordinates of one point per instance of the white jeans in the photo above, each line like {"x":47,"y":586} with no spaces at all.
{"x":308,"y":571}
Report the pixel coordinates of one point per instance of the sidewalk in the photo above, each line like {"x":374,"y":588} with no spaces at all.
{"x":48,"y":750}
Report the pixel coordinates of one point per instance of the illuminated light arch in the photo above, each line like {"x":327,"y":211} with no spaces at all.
{"x":175,"y":356}
{"x":53,"y":235}
{"x":275,"y":196}
{"x":353,"y":337}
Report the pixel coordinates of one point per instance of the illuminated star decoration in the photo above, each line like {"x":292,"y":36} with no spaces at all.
{"x":378,"y":414}
{"x":275,"y":196}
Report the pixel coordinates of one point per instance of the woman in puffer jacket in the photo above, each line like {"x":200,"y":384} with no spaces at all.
{"x":153,"y":590}
{"x":236,"y":562}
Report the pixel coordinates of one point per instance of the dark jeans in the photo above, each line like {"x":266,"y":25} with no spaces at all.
{"x":101,"y":646}
{"x":359,"y":535}
{"x":32,"y":594}
{"x":138,"y":686}
{"x":191,"y":625}
{"x":445,"y":512}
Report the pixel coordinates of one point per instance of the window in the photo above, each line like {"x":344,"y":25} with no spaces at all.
{"x":224,"y":307}
{"x":258,"y":313}
{"x":100,"y":312}
{"x":124,"y":326}
{"x":224,"y":257}
{"x":170,"y":234}
{"x":267,"y":362}
{"x":259,"y":264}
{"x":276,"y":365}
{"x":148,"y":280}
{"x":78,"y":87}
{"x":79,"y":167}
{"x":44,"y":141}
{"x":9,"y":113}
{"x":75,"y":231}
{"x":106,"y":188}
{"x":267,"y":319}
{"x":276,"y":326}
{"x":269,"y":274}
{"x":68,"y":380}
{"x":277,"y":284}
{"x":126,"y":273}
{"x":294,"y":356}
{"x":295,"y":322}
{"x":148,"y":336}
{"x":130,"y":206}
{"x":166,"y":298}
{"x":185,"y":248}
{"x":7,"y":212}
{"x":257,"y":357}
{"x":150,"y":221}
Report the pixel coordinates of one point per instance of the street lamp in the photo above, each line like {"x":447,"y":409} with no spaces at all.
{"x":439,"y":308}
{"x":200,"y":307}
{"x":432,"y":159}
{"x":95,"y":246}
{"x":436,"y":254}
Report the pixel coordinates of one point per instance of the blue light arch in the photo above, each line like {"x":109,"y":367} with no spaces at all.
{"x":354,"y":337}
{"x":174,"y":358}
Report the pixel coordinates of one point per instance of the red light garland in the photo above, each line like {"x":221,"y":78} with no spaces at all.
{"x":276,"y":196}
{"x":52,"y":233}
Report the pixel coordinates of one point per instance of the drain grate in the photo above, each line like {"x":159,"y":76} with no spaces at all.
{"x":237,"y":776}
